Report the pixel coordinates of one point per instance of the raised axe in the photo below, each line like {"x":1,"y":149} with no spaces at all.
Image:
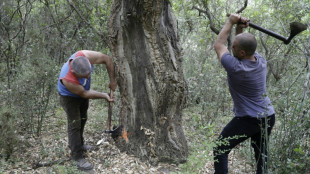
{"x":295,"y":27}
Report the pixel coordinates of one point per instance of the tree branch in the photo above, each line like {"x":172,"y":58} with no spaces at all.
{"x":244,"y":6}
{"x":306,"y":84}
{"x":199,"y":10}
{"x":82,"y":17}
{"x":207,"y":12}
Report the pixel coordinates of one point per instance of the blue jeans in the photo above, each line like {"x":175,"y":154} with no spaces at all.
{"x":238,"y":130}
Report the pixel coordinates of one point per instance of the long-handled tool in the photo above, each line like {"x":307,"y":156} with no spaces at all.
{"x":295,"y":28}
{"x":117,"y":131}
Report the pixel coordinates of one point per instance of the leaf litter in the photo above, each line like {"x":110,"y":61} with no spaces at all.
{"x":50,"y":153}
{"x":52,"y":148}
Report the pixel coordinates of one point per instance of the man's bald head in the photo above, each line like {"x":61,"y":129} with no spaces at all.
{"x":246,"y":42}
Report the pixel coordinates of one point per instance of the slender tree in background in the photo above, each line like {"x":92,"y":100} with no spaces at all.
{"x":147,"y":53}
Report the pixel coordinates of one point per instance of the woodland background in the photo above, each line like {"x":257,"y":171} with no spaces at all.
{"x":37,"y":37}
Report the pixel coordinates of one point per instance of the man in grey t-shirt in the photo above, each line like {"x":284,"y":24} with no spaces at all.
{"x":246,"y":74}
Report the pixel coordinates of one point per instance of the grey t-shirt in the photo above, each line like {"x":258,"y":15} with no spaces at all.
{"x":247,"y":85}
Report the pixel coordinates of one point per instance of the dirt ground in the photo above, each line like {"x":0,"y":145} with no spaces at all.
{"x":49,"y":153}
{"x":51,"y":150}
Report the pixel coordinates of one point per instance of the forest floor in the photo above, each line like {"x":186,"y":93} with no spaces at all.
{"x":51,"y":149}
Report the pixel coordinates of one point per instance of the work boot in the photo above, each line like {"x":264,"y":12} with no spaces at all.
{"x":86,"y":147}
{"x":83,"y":164}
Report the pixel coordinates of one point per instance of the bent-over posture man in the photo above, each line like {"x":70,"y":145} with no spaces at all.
{"x":254,"y":114}
{"x":74,"y":89}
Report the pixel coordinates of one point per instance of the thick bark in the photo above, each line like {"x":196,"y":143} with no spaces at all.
{"x":147,"y":53}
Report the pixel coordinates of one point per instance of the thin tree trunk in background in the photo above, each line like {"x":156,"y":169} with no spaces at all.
{"x":147,"y":53}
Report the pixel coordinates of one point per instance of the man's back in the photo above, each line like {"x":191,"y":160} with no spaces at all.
{"x":247,"y":85}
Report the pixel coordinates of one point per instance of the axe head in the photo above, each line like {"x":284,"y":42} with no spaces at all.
{"x":117,"y":131}
{"x":296,"y":28}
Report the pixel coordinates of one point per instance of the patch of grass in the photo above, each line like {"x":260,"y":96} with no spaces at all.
{"x":61,"y":122}
{"x":67,"y":170}
{"x":3,"y":165}
{"x":200,"y":136}
{"x":198,"y":158}
{"x":107,"y":164}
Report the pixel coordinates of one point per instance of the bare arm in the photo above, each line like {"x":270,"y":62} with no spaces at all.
{"x":80,"y":91}
{"x":219,"y":44}
{"x":100,"y":58}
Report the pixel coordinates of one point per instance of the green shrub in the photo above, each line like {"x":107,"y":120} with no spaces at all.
{"x":9,"y":141}
{"x":31,"y":93}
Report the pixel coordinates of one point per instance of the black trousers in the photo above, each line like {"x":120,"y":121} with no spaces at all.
{"x":76,"y":110}
{"x":238,"y":130}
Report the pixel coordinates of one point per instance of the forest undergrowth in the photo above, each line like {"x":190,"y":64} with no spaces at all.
{"x":49,"y":153}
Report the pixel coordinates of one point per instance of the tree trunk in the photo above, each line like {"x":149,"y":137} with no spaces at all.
{"x":147,"y":53}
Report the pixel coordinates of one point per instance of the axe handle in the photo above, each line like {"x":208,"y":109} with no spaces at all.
{"x":109,"y":114}
{"x":271,"y":33}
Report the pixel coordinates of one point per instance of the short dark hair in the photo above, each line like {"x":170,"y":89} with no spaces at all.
{"x":247,"y":42}
{"x":81,"y":66}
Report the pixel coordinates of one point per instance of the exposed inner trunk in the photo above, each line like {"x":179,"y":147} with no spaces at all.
{"x":146,"y":51}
